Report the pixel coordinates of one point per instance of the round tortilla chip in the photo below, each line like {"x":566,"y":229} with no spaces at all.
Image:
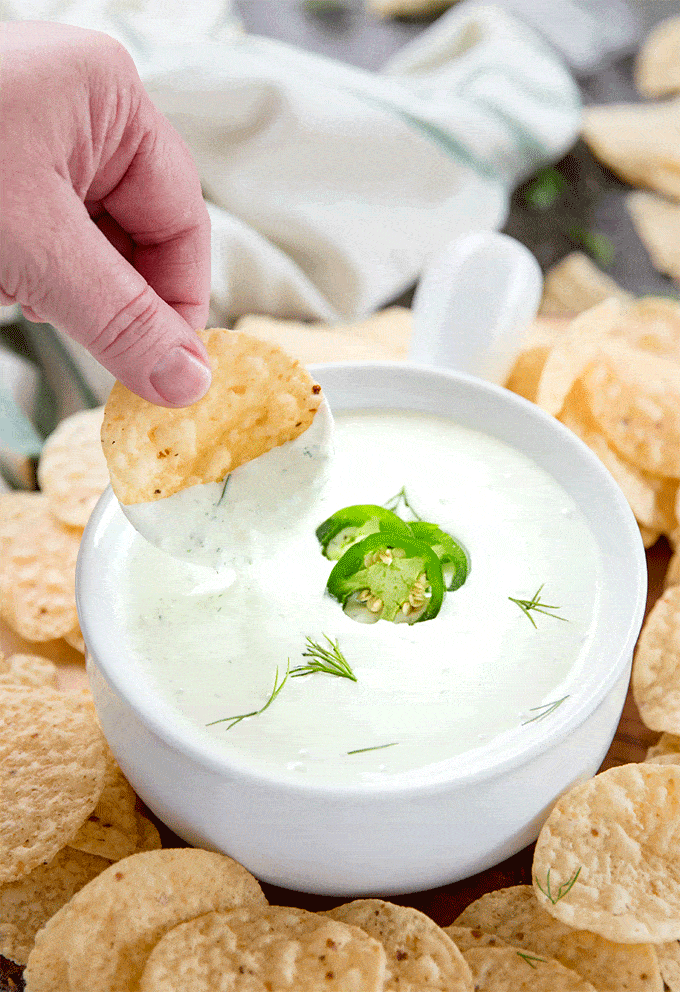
{"x":665,"y":751}
{"x":30,"y":670}
{"x":515,"y":915}
{"x":652,"y":498}
{"x":127,"y":909}
{"x":634,"y":395}
{"x":112,"y":828}
{"x":52,"y":767}
{"x":656,"y":665}
{"x":72,"y":470}
{"x":669,"y":964}
{"x":27,"y":904}
{"x":608,"y":857}
{"x":37,"y":568}
{"x":507,"y":969}
{"x":259,"y":399}
{"x":657,"y":66}
{"x":276,"y":948}
{"x":420,"y":956}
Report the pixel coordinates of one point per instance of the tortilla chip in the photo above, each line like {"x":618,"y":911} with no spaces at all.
{"x":384,"y":336}
{"x":72,"y":470}
{"x":30,"y":670}
{"x":52,"y":767}
{"x":27,"y":904}
{"x":127,"y":909}
{"x":420,"y":956}
{"x":37,"y":568}
{"x":607,"y":859}
{"x":507,"y":969}
{"x":638,"y":142}
{"x":657,"y":222}
{"x":259,"y":398}
{"x":656,"y":665}
{"x":515,"y":915}
{"x":657,"y":67}
{"x":576,"y":284}
{"x":275,"y":948}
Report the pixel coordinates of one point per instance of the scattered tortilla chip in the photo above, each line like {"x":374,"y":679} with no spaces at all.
{"x":666,"y":750}
{"x":75,"y":639}
{"x":634,"y":396}
{"x":669,"y":965}
{"x":656,"y":665}
{"x":276,"y":948}
{"x":657,"y":67}
{"x":30,"y":670}
{"x":537,"y":345}
{"x":515,"y":915}
{"x":72,"y":470}
{"x":651,"y":497}
{"x":608,"y":857}
{"x":127,"y":909}
{"x":575,"y":350}
{"x":576,"y":284}
{"x":37,"y":568}
{"x":52,"y":767}
{"x":385,"y":335}
{"x":407,"y":8}
{"x":466,"y":937}
{"x":26,"y":905}
{"x":259,"y":398}
{"x":420,"y":956}
{"x":111,"y":830}
{"x":507,"y":969}
{"x":672,"y":576}
{"x":148,"y":838}
{"x":657,"y":223}
{"x":649,"y":536}
{"x":638,"y":142}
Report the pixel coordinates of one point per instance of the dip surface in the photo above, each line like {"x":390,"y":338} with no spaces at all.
{"x":209,"y":643}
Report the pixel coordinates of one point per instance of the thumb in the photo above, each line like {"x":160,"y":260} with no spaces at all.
{"x":70,"y":275}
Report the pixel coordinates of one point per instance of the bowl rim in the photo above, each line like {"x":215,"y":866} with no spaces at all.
{"x":470,"y":766}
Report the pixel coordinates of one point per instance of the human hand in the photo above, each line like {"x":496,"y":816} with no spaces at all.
{"x":103,"y":228}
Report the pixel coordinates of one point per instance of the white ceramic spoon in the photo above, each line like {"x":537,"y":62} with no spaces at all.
{"x":473,"y":305}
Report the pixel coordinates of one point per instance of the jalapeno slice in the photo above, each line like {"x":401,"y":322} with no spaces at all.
{"x":390,"y":577}
{"x":352,"y":524}
{"x":451,"y":554}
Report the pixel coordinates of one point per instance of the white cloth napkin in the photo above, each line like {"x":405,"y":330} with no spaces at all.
{"x":330,"y":187}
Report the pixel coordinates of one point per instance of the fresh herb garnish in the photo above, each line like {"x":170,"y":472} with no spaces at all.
{"x":224,"y":489}
{"x":324,"y":659}
{"x":399,"y":499}
{"x":563,"y":889}
{"x":599,"y":246}
{"x":530,"y":958}
{"x":536,"y":604}
{"x":377,"y":747}
{"x":546,"y":708}
{"x":546,"y":189}
{"x":244,"y":716}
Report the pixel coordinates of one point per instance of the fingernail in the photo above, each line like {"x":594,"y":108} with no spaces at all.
{"x":180,"y":378}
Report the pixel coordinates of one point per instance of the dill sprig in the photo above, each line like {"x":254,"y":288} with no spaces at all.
{"x":401,"y":498}
{"x":562,"y":890}
{"x":244,"y":716}
{"x":376,"y":747}
{"x":224,"y":489}
{"x":324,"y":659}
{"x":547,"y":708}
{"x":530,"y":959}
{"x":536,"y":604}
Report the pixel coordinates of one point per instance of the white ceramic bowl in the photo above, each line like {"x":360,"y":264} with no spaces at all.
{"x":480,"y":807}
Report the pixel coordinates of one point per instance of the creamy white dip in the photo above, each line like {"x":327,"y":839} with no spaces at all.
{"x":209,"y":643}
